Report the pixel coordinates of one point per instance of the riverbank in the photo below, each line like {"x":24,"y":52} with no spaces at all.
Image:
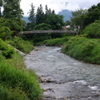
{"x":78,"y":47}
{"x":16,"y":81}
{"x":83,"y":49}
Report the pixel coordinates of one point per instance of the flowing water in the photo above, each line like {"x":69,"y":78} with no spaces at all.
{"x":62,"y":77}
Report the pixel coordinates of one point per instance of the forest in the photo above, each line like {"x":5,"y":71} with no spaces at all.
{"x":16,"y":81}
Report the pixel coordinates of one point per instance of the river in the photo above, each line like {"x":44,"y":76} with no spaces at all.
{"x":62,"y":77}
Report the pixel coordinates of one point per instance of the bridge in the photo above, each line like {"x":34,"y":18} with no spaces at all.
{"x":48,"y":31}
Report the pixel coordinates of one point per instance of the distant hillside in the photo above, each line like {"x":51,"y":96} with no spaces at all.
{"x":26,"y":19}
{"x":66,"y":14}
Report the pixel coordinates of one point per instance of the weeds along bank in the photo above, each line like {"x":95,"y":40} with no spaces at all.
{"x":84,"y":49}
{"x":16,"y":82}
{"x":78,"y":47}
{"x":20,"y":44}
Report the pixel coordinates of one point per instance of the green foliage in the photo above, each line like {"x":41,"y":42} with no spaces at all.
{"x":20,"y":44}
{"x":49,"y":17}
{"x":56,"y":21}
{"x":12,"y":9}
{"x":1,"y":56}
{"x":83,"y":49}
{"x":12,"y":24}
{"x":56,"y":42}
{"x":92,"y":15}
{"x":12,"y":94}
{"x":92,"y":30}
{"x":5,"y":33}
{"x":31,"y":18}
{"x":40,"y":15}
{"x":43,"y":26}
{"x":12,"y":14}
{"x":77,"y":19}
{"x":17,"y":83}
{"x":6,"y":50}
{"x":13,"y":77}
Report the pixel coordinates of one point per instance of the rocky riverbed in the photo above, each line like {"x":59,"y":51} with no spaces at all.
{"x":62,"y":77}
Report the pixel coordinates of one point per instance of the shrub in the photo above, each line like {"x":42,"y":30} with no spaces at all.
{"x":83,"y":49}
{"x":19,"y":80}
{"x":6,"y":50}
{"x":16,"y":82}
{"x":12,"y":94}
{"x":20,"y":44}
{"x":92,"y":30}
{"x":5,"y":33}
{"x":57,"y":41}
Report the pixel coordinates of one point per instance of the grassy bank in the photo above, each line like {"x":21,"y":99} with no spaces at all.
{"x":84,"y":49}
{"x":20,"y":44}
{"x":78,"y":47}
{"x":56,"y":41}
{"x":16,"y":82}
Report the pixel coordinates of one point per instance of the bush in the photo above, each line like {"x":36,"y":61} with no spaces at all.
{"x":16,"y":82}
{"x":12,"y":94}
{"x":83,"y":49}
{"x":19,"y":80}
{"x":5,"y":33}
{"x":57,"y":41}
{"x":20,"y":44}
{"x":6,"y":50}
{"x":92,"y":30}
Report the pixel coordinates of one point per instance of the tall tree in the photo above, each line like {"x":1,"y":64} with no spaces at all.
{"x":92,"y":15}
{"x":13,"y":12}
{"x":12,"y":9}
{"x":39,"y":15}
{"x":32,"y":18}
{"x":77,"y":19}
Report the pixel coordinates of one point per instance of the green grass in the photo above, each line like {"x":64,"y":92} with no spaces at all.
{"x":14,"y":78}
{"x":20,"y":44}
{"x":84,"y":49}
{"x":16,"y":81}
{"x":56,"y":41}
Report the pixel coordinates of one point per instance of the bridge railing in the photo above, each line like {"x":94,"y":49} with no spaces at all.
{"x":48,"y":31}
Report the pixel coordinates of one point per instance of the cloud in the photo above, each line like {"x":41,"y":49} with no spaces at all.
{"x":58,"y":5}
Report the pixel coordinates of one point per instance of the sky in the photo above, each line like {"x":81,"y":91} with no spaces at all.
{"x":58,"y":5}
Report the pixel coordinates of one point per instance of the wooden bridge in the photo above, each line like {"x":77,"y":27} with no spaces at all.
{"x":48,"y":31}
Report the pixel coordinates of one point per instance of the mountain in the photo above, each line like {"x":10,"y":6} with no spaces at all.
{"x":66,"y":14}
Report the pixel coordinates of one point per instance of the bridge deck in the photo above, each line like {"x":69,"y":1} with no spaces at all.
{"x":48,"y":31}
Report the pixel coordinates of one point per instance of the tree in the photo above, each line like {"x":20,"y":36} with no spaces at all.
{"x":32,"y":17}
{"x":12,"y":9}
{"x":13,"y":13}
{"x":92,"y":15}
{"x":12,"y":24}
{"x":77,"y":19}
{"x":40,"y":15}
{"x":56,"y":21}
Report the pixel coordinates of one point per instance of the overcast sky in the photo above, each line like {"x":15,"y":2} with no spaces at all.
{"x":58,"y":5}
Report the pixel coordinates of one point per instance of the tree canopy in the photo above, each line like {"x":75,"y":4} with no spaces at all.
{"x":92,"y":15}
